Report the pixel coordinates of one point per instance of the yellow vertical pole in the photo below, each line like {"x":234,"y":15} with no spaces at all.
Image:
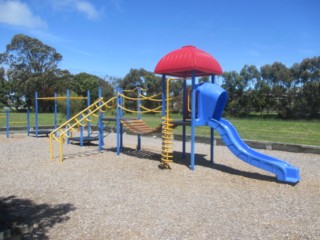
{"x":60,"y":143}
{"x":51,"y":147}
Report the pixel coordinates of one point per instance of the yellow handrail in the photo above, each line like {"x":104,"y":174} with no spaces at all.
{"x":151,"y":98}
{"x":132,"y":90}
{"x":135,"y":111}
{"x":152,"y":109}
{"x":129,"y":98}
{"x":62,"y":132}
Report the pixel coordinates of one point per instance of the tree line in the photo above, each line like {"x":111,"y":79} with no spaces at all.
{"x":289,"y":92}
{"x":29,"y":65}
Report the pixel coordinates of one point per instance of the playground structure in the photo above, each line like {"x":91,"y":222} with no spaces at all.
{"x":96,"y":111}
{"x":207,"y":104}
{"x":9,"y":123}
{"x":61,"y":133}
{"x":37,"y":131}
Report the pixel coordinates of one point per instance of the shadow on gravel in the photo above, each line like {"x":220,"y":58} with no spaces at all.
{"x":201,"y":160}
{"x":24,"y":219}
{"x":251,"y":175}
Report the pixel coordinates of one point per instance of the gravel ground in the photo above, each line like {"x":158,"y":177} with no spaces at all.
{"x":93,"y":195}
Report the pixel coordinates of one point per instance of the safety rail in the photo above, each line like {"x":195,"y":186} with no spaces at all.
{"x":73,"y":124}
{"x":9,"y":122}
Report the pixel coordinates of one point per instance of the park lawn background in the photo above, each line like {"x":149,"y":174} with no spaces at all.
{"x":306,"y":132}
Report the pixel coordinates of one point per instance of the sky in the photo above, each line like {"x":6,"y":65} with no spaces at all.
{"x":109,"y":37}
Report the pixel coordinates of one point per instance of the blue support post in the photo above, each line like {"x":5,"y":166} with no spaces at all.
{"x":36,"y":112}
{"x":28,"y":121}
{"x":212,"y":135}
{"x":101,"y":127}
{"x":184,"y":118}
{"x":55,"y":111}
{"x":81,"y":132}
{"x":139,"y":117}
{"x":88,"y":104}
{"x":163,"y":95}
{"x":7,"y":124}
{"x":118,"y":120}
{"x":193,"y":116}
{"x":68,"y":112}
{"x":121,"y":115}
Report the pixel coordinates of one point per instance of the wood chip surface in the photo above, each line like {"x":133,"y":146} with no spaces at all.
{"x":99,"y":195}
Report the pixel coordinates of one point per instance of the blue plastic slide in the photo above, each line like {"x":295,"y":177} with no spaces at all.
{"x":284,"y":171}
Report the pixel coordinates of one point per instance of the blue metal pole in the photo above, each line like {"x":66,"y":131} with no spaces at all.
{"x":7,"y":124}
{"x":36,"y":112}
{"x":193,"y":116}
{"x":101,"y":142}
{"x":163,"y":95}
{"x":68,"y":111}
{"x":101,"y":127}
{"x":139,"y":117}
{"x":100,"y":123}
{"x":212,"y":134}
{"x":81,"y":133}
{"x":184,"y":118}
{"x":121,"y":115}
{"x":28,"y":122}
{"x":68,"y":105}
{"x":118,"y":120}
{"x":88,"y":104}
{"x":55,"y":111}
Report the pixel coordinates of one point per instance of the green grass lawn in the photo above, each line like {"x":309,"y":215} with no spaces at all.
{"x":275,"y":130}
{"x":20,"y":119}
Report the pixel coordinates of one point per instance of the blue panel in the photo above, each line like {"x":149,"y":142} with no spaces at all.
{"x":211,"y":102}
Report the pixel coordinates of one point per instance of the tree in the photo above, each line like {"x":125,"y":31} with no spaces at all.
{"x":235,"y":85}
{"x":250,"y":74}
{"x":274,"y":75}
{"x":106,"y":88}
{"x":261,"y":97}
{"x":83,"y":82}
{"x":32,"y":65}
{"x":310,"y":70}
{"x":4,"y":89}
{"x":141,"y":78}
{"x":306,"y":76}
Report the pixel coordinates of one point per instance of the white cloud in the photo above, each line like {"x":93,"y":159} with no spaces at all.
{"x":16,"y":13}
{"x":81,"y":6}
{"x":87,"y":8}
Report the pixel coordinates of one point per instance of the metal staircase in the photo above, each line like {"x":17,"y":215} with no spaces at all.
{"x":64,"y":131}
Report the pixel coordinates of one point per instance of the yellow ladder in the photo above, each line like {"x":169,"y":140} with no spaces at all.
{"x":167,"y":132}
{"x":72,"y":125}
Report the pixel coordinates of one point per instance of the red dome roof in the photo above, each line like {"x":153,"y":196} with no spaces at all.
{"x":182,"y":62}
